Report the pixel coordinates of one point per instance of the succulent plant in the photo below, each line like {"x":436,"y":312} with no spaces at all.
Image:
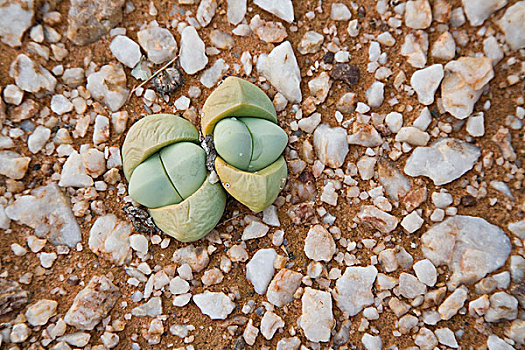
{"x":166,"y":167}
{"x":166,"y":171}
{"x":248,"y":141}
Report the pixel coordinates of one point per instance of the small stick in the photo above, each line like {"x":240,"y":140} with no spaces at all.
{"x":153,"y":75}
{"x":228,"y":220}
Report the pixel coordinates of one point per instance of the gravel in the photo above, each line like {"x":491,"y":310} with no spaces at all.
{"x":402,"y":215}
{"x":159,"y":44}
{"x":108,"y":86}
{"x":443,"y":161}
{"x":126,"y":51}
{"x":30,"y":76}
{"x":215,"y":305}
{"x":15,"y":18}
{"x":317,"y":318}
{"x":287,"y":78}
{"x":260,"y":270}
{"x":192,"y":51}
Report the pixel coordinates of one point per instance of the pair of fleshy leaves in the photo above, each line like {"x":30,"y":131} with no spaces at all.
{"x":197,"y":214}
{"x":241,"y":99}
{"x":249,"y":144}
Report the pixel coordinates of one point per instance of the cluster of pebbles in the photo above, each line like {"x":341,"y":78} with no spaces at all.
{"x":402,"y":223}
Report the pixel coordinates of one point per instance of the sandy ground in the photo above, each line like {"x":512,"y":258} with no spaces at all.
{"x":213,"y":334}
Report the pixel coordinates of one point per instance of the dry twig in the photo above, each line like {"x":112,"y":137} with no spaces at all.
{"x":153,"y":75}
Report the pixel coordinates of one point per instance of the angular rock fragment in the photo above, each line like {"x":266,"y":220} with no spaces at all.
{"x":320,"y":87}
{"x":158,"y":42}
{"x":418,"y":14}
{"x":270,"y":32}
{"x":250,"y":333}
{"x":372,"y":342}
{"x":413,"y":136}
{"x":364,"y":135}
{"x":206,"y":11}
{"x":415,"y":48}
{"x":13,"y":165}
{"x":222,"y":40}
{"x":374,"y":218}
{"x":236,"y":11}
{"x":92,"y":303}
{"x":125,"y":50}
{"x":502,"y":307}
{"x":412,"y":222}
{"x":426,"y":272}
{"x":518,"y":228}
{"x":270,"y":323}
{"x":503,"y":138}
{"x":282,"y":8}
{"x":12,"y":296}
{"x":260,"y":270}
{"x":282,"y":71}
{"x":310,"y":43}
{"x":516,"y":331}
{"x":444,"y":161}
{"x":40,"y":312}
{"x":331,"y":145}
{"x":512,"y":25}
{"x":293,"y":343}
{"x":463,"y":84}
{"x":255,"y":229}
{"x":478,"y":11}
{"x":446,"y":337}
{"x":496,"y":343}
{"x":426,"y":81}
{"x":283,"y":286}
{"x":48,"y":212}
{"x":211,"y":76}
{"x":468,"y":245}
{"x":453,"y":303}
{"x":366,"y":166}
{"x":109,"y":238}
{"x":444,"y":47}
{"x":5,"y":222}
{"x":319,"y":244}
{"x":74,"y":173}
{"x":476,"y":125}
{"x":108,"y":85}
{"x":196,"y":258}
{"x":215,"y":305}
{"x":392,"y":179}
{"x":347,"y":73}
{"x":340,"y":12}
{"x":375,"y":94}
{"x":317,"y":319}
{"x":30,"y":76}
{"x":15,"y":18}
{"x":152,"y":308}
{"x":353,"y":290}
{"x":410,"y":287}
{"x":192,"y":51}
{"x":89,"y":20}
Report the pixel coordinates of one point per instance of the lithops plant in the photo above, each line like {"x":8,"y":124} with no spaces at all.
{"x":248,"y":141}
{"x":166,"y":171}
